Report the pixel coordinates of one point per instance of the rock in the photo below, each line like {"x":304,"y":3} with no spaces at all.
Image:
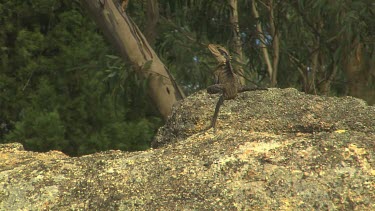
{"x":274,"y":111}
{"x":276,"y":149}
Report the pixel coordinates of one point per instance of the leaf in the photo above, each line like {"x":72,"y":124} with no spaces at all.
{"x":112,"y":56}
{"x":147,"y":65}
{"x":112,"y":75}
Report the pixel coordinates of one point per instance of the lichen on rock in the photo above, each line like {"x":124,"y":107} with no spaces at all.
{"x":275,"y":150}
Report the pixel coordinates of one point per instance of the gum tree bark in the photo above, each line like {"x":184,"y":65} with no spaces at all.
{"x":275,"y":41}
{"x":263,"y":46}
{"x":132,"y":45}
{"x":360,"y":71}
{"x":237,"y":44}
{"x":270,"y":58}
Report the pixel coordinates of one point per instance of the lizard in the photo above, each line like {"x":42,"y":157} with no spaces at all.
{"x":227,"y":81}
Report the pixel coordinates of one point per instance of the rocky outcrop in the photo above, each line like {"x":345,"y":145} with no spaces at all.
{"x":273,"y":150}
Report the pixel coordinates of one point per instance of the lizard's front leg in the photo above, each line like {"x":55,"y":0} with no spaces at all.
{"x":214,"y":89}
{"x":247,"y":88}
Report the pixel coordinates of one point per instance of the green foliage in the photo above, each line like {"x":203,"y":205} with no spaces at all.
{"x":304,"y":27}
{"x":189,"y":26}
{"x":195,"y":73}
{"x":40,"y":131}
{"x":41,"y":127}
{"x":59,"y":88}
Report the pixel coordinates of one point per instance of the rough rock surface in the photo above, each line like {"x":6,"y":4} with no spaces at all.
{"x":273,"y":150}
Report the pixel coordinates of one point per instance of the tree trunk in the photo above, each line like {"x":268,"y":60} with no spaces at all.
{"x":275,"y":42}
{"x":358,"y":66}
{"x":132,"y":45}
{"x":302,"y":69}
{"x":311,"y":73}
{"x":263,"y":46}
{"x":237,"y":44}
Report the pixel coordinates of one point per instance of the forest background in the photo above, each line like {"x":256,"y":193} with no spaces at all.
{"x":63,"y":86}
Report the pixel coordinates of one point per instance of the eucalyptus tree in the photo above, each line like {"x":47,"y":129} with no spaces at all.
{"x":192,"y":25}
{"x":251,"y":33}
{"x":306,"y":44}
{"x":330,"y":44}
{"x":269,"y":37}
{"x":132,"y":45}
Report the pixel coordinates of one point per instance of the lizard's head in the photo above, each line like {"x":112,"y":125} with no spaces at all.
{"x":221,"y":54}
